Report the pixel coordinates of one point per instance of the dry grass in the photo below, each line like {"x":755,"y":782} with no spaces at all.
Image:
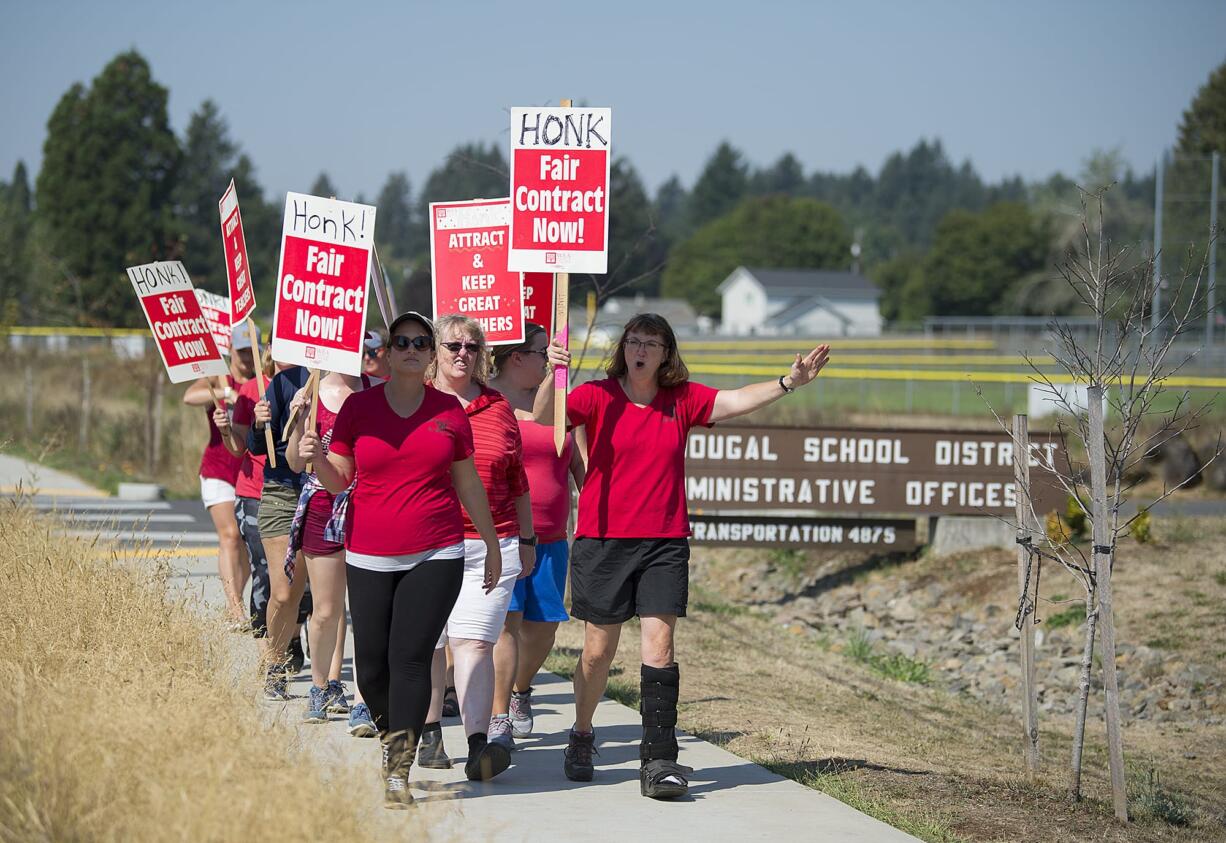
{"x":124,"y":716}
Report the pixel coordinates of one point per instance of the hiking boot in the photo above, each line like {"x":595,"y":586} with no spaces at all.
{"x":295,"y":657}
{"x":485,"y":759}
{"x":521,"y":713}
{"x":430,"y":753}
{"x":451,"y":702}
{"x":398,"y":752}
{"x":317,"y":706}
{"x":360,"y":723}
{"x":500,"y":731}
{"x":274,"y":684}
{"x":578,"y":761}
{"x":338,"y":702}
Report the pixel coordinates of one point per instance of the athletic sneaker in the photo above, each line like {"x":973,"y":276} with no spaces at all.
{"x":317,"y":706}
{"x":500,"y":731}
{"x":275,"y":685}
{"x":451,"y":702}
{"x":338,"y":703}
{"x":579,"y":750}
{"x":360,"y":724}
{"x":296,"y":657}
{"x":521,"y":713}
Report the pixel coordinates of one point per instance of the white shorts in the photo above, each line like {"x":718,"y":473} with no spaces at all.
{"x":214,"y":491}
{"x":478,"y":615}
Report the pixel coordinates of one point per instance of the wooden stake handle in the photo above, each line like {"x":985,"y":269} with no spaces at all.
{"x":314,"y":408}
{"x":259,"y":374}
{"x":561,"y":326}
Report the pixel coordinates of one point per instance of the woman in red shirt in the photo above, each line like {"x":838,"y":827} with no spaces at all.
{"x":461,"y":368}
{"x":219,"y":471}
{"x":537,"y":605}
{"x":409,"y":447}
{"x":631,"y":553}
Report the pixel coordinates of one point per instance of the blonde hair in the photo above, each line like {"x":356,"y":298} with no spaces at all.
{"x":266,"y":365}
{"x":456,"y":323}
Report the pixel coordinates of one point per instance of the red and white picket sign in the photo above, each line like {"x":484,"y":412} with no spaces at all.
{"x":322,"y":283}
{"x":242,"y":296}
{"x":216,"y":310}
{"x":560,"y":189}
{"x":539,"y":301}
{"x":179,"y":327}
{"x":468,"y":260}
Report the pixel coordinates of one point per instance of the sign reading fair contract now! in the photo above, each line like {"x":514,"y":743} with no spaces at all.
{"x":320,"y":314}
{"x":179,"y":328}
{"x":846,"y":470}
{"x":560,"y":189}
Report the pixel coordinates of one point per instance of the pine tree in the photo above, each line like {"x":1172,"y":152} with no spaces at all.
{"x":723,"y":183}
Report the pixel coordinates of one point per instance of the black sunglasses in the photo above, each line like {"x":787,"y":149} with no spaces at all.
{"x":401,"y":342}
{"x":454,"y":347}
{"x":372,"y":353}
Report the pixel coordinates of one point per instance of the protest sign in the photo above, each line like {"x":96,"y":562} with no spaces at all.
{"x":242,"y":297}
{"x":216,"y":310}
{"x":468,"y":259}
{"x":559,"y":189}
{"x":322,"y":281}
{"x":539,"y":300}
{"x":179,"y":327}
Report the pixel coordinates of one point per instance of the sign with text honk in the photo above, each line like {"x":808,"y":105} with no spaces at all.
{"x":179,"y":328}
{"x":242,"y":296}
{"x":216,"y":310}
{"x":468,"y":260}
{"x":559,"y":189}
{"x":322,"y":281}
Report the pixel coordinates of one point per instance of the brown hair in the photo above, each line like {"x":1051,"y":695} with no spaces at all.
{"x":672,"y":371}
{"x":460,"y":324}
{"x":504,"y":352}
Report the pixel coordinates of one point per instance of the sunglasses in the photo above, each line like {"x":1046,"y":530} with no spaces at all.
{"x":401,"y":342}
{"x":372,"y":353}
{"x":454,"y":347}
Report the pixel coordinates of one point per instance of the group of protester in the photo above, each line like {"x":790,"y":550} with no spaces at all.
{"x":430,"y":493}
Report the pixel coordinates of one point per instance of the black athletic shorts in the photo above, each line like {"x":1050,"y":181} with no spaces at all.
{"x":613,"y":580}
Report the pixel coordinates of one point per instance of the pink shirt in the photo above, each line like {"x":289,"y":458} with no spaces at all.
{"x":548,"y":479}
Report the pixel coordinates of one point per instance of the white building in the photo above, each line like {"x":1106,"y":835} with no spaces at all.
{"x":812,"y":302}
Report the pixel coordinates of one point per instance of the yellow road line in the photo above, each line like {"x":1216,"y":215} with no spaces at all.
{"x":890,"y":359}
{"x":802,"y":342}
{"x":66,"y":331}
{"x":156,"y":552}
{"x":44,"y":491}
{"x":935,"y":375}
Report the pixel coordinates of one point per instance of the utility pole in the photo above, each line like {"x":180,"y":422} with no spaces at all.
{"x":1211,"y":315}
{"x":1155,"y":305}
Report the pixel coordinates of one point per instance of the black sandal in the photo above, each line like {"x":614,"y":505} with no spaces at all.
{"x":451,"y":702}
{"x":664,"y":779}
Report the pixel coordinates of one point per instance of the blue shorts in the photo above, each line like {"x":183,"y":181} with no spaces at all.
{"x":539,"y":595}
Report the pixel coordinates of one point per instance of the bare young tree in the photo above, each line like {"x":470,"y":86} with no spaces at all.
{"x":1126,"y":365}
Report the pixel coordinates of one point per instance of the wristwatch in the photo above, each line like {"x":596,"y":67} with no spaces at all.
{"x":530,"y":541}
{"x":786,"y":389}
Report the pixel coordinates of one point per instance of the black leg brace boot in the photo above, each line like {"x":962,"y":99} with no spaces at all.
{"x":660,"y":776}
{"x":398,"y":751}
{"x":430,"y":754}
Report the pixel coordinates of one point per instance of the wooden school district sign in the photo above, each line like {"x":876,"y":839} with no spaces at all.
{"x":835,"y":471}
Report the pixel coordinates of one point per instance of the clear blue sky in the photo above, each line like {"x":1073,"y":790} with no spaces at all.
{"x":359,"y":90}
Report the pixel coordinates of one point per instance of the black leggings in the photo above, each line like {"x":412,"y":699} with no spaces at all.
{"x":397,"y":618}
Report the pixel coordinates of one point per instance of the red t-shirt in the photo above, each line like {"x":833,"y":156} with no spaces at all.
{"x":404,"y":501}
{"x":251,"y":473}
{"x":635,"y":484}
{"x":499,"y":458}
{"x":548,"y":479}
{"x":216,"y":462}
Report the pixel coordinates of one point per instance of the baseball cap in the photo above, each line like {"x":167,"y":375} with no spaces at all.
{"x":374,"y":339}
{"x":240,"y":336}
{"x":410,"y":316}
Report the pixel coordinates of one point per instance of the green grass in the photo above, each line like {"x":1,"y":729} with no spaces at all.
{"x":1072,"y":616}
{"x":894,"y":666}
{"x":843,"y":787}
{"x":1152,"y":800}
{"x":621,"y":688}
{"x":1220,"y":578}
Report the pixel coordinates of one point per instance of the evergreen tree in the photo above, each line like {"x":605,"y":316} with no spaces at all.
{"x":471,"y":171}
{"x":208,"y":160}
{"x":779,"y":232}
{"x":104,"y":191}
{"x":632,"y":236}
{"x":395,"y":218}
{"x":323,"y":187}
{"x":15,"y":223}
{"x":1203,"y":128}
{"x":785,"y":176}
{"x":723,"y":183}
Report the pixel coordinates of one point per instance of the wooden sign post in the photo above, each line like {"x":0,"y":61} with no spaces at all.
{"x":314,"y":387}
{"x":561,"y":375}
{"x":259,"y":374}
